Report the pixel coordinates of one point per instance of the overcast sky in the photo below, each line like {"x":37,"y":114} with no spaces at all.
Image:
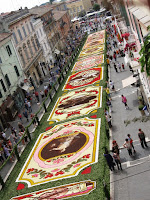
{"x":9,"y":5}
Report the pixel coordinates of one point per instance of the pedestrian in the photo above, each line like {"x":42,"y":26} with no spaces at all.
{"x":124,"y":100}
{"x":115,"y":147}
{"x":108,"y":102}
{"x":127,"y":145}
{"x":115,"y":67}
{"x":109,"y":160}
{"x":25,"y":113}
{"x":114,"y":56}
{"x":131,"y":142}
{"x":21,"y":127}
{"x":42,"y":93}
{"x":130,"y":68}
{"x":29,"y":107}
{"x":111,"y":83}
{"x":119,"y":66}
{"x":108,"y":93}
{"x":26,"y":105}
{"x":117,"y":160}
{"x":123,"y":66}
{"x":37,"y":96}
{"x":108,"y":119}
{"x":20,"y":116}
{"x":20,"y":136}
{"x":45,"y":92}
{"x":141,"y":135}
{"x":108,"y":64}
{"x":33,"y":117}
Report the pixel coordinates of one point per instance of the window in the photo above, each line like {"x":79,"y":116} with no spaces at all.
{"x":41,"y":32}
{"x":28,"y":28}
{"x":37,"y":33}
{"x":30,"y":49}
{"x":37,"y":43}
{"x":8,"y":50}
{"x":24,"y":31}
{"x":3,"y":86}
{"x":34,"y":45}
{"x":16,"y":70}
{"x":31,"y":26}
{"x":1,"y":95}
{"x":0,"y":60}
{"x":20,"y":34}
{"x":78,"y":9}
{"x":81,"y":7}
{"x":15,"y":38}
{"x":74,"y":9}
{"x":7,"y":80}
{"x":26,"y":52}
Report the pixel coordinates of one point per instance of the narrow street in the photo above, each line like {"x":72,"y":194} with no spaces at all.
{"x":133,"y":182}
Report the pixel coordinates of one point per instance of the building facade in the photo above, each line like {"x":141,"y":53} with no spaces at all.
{"x":137,"y":17}
{"x":26,"y":43}
{"x":77,"y":6}
{"x":11,"y":76}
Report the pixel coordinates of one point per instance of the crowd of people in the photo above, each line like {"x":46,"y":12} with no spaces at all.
{"x":113,"y":158}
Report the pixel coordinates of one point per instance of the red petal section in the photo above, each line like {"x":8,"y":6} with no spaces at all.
{"x":87,"y":170}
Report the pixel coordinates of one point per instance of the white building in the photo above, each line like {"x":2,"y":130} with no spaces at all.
{"x":43,"y":40}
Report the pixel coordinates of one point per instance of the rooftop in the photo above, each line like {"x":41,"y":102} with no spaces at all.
{"x":3,"y":36}
{"x":40,"y":11}
{"x":58,"y":14}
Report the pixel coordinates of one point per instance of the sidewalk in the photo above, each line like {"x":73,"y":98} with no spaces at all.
{"x":133,"y":182}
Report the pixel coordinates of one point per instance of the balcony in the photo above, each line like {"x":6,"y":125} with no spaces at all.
{"x":30,"y":63}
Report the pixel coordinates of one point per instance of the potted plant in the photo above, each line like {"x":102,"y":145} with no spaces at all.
{"x":141,"y":106}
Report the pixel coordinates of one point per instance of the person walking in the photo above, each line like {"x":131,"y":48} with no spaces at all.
{"x":123,"y":66}
{"x":108,"y":93}
{"x":115,"y":67}
{"x":108,"y":119}
{"x":115,"y":147}
{"x":131,"y":142}
{"x":108,"y":64}
{"x":124,"y":100}
{"x":127,"y":145}
{"x":37,"y":96}
{"x":111,"y":83}
{"x":117,"y":160}
{"x":119,"y":66}
{"x":141,"y":135}
{"x":25,"y":113}
{"x":20,"y":116}
{"x":29,"y":107}
{"x":109,"y":160}
{"x":42,"y":93}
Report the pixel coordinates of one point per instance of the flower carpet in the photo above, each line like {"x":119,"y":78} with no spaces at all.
{"x":62,"y":152}
{"x":76,"y":103}
{"x":90,"y":51}
{"x":61,"y":192}
{"x":69,"y":147}
{"x":88,"y":62}
{"x":84,"y":78}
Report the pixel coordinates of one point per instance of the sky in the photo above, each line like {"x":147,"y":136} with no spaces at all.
{"x":10,"y":5}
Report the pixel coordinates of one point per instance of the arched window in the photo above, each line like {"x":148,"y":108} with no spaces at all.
{"x":34,"y":45}
{"x":21,"y":56}
{"x":26,"y":52}
{"x":30,"y":48}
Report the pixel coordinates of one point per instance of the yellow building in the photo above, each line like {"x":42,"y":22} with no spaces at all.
{"x":76,"y":6}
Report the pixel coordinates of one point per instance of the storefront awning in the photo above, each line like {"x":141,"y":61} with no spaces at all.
{"x":128,"y":81}
{"x":25,"y":87}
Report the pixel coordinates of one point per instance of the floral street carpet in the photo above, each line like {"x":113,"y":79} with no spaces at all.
{"x":62,"y":152}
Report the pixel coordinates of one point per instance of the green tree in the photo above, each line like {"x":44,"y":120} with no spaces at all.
{"x":82,"y":13}
{"x":145,"y":54}
{"x":96,"y":7}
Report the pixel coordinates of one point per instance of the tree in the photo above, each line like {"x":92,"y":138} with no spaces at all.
{"x":145,"y":54}
{"x":96,"y":7}
{"x":82,"y":13}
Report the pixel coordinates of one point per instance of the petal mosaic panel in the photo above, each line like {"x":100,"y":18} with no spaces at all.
{"x":84,"y":78}
{"x":62,"y":152}
{"x":98,"y":35}
{"x":90,"y":51}
{"x":60,"y":192}
{"x":76,"y":103}
{"x":88,"y":62}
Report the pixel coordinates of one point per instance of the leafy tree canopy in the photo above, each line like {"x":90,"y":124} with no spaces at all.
{"x":96,"y":7}
{"x":145,"y":54}
{"x":82,"y":13}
